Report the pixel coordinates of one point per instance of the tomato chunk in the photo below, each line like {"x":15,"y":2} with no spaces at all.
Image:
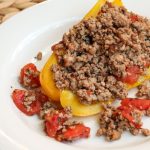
{"x":29,"y":76}
{"x":134,"y":18}
{"x":133,"y":73}
{"x":26,"y":102}
{"x":57,"y":127}
{"x":54,"y":120}
{"x":141,"y":104}
{"x":76,"y":132}
{"x":52,"y":125}
{"x":40,"y":96}
{"x":127,"y":113}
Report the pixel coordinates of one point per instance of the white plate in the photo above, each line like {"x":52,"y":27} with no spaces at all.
{"x":21,"y":38}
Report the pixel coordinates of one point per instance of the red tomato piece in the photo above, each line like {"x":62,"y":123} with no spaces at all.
{"x":53,"y":121}
{"x":51,"y":125}
{"x":134,"y":18}
{"x":76,"y":132}
{"x":89,"y":92}
{"x":133,"y":69}
{"x":20,"y":96}
{"x":41,"y":97}
{"x":126,"y":113}
{"x":133,"y":73}
{"x":147,"y":64}
{"x":29,"y":76}
{"x":141,"y":104}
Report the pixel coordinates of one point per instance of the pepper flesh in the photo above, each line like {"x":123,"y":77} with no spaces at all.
{"x":47,"y":82}
{"x":67,"y":98}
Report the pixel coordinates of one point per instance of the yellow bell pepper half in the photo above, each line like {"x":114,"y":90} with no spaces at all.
{"x":67,"y":98}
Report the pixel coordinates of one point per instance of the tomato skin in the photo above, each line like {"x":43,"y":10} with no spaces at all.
{"x":78,"y":131}
{"x":133,"y":73}
{"x":29,"y":76}
{"x":141,"y":104}
{"x":18,"y":97}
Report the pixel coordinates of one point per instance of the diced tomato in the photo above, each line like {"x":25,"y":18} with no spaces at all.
{"x":133,"y":70}
{"x":29,"y":76}
{"x":125,"y":109}
{"x":89,"y":92}
{"x":127,"y":116}
{"x":53,"y":121}
{"x":133,"y":73}
{"x":141,"y":104}
{"x":76,"y":132}
{"x":147,"y":64}
{"x":126,"y":113}
{"x":130,"y":79}
{"x":19,"y":96}
{"x":41,"y":97}
{"x":51,"y":125}
{"x":134,"y":18}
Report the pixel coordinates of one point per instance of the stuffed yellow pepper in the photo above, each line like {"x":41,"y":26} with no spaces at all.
{"x":133,"y":77}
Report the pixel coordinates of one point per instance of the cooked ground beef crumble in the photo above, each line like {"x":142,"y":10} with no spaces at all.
{"x":29,"y":98}
{"x":98,"y":50}
{"x":144,"y":90}
{"x":46,"y":108}
{"x":113,"y":123}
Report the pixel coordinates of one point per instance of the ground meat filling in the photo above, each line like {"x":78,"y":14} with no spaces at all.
{"x":46,"y":108}
{"x":96,"y":52}
{"x":144,"y":90}
{"x":113,"y":123}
